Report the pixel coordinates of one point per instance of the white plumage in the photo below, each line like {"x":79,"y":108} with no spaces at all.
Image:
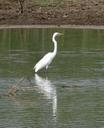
{"x":47,"y":59}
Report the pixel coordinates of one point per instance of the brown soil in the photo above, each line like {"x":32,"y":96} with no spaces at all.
{"x":79,"y":12}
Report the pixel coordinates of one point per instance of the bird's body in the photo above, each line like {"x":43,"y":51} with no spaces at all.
{"x":47,"y":59}
{"x":44,"y":62}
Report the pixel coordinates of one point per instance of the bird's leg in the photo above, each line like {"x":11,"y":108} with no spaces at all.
{"x":46,"y":67}
{"x":46,"y":70}
{"x":45,"y":73}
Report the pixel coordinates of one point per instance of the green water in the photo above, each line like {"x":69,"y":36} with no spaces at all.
{"x":69,"y":95}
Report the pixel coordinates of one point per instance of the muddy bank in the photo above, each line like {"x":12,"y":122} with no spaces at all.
{"x":74,"y":12}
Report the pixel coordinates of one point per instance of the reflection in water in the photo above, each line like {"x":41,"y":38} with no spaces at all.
{"x":48,"y":89}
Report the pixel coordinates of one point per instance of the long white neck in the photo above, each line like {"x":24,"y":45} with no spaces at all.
{"x":55,"y":44}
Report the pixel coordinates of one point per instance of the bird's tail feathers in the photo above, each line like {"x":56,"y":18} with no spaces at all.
{"x":35,"y":68}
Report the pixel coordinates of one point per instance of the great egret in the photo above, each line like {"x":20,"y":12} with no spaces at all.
{"x":47,"y":59}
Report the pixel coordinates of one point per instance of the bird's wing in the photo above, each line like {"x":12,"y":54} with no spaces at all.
{"x":46,"y":60}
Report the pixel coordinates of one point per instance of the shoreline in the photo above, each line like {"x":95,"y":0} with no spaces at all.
{"x":65,"y":13}
{"x":52,"y":26}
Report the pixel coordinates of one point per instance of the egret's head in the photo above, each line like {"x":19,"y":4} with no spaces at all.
{"x":57,"y":34}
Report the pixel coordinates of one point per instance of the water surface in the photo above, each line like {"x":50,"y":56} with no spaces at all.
{"x":69,"y":95}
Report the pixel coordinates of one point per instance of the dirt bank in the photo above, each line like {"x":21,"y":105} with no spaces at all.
{"x":78,"y":12}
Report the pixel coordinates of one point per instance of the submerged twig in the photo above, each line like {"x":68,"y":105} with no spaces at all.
{"x":13,"y":91}
{"x":16,"y":88}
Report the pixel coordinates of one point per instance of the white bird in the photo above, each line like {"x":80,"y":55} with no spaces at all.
{"x":47,"y":59}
